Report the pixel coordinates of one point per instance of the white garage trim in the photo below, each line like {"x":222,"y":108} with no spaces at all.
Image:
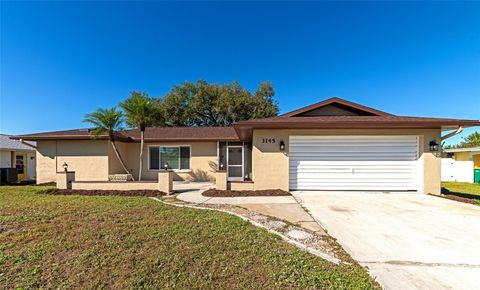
{"x":354,"y":163}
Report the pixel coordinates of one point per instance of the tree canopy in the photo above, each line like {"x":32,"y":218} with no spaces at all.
{"x":472,"y":140}
{"x":204,"y":104}
{"x":141,"y":111}
{"x":105,"y":121}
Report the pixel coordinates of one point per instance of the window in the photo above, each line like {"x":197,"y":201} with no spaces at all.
{"x":177,"y":158}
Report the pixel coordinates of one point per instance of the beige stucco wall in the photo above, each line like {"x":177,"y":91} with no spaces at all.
{"x":242,"y":186}
{"x":46,"y":161}
{"x":114,"y":166}
{"x":203,"y":160}
{"x":93,"y":160}
{"x":270,"y":165}
{"x":115,"y":185}
{"x":88,"y":158}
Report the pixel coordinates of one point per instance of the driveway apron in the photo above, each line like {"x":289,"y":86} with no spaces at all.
{"x":407,"y":240}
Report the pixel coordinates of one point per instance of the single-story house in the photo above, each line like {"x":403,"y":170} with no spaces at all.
{"x":331,"y":145}
{"x":19,"y":155}
{"x":464,"y":154}
{"x":460,"y":164}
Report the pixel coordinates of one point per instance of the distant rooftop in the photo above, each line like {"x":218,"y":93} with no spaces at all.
{"x":453,"y":150}
{"x":8,"y":144}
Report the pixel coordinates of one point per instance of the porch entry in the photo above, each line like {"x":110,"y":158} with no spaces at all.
{"x":20,"y":163}
{"x":236,"y":159}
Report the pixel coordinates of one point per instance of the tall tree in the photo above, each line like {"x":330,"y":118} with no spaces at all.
{"x":204,"y":104}
{"x":107,"y":122}
{"x":472,"y":140}
{"x":142,"y":112}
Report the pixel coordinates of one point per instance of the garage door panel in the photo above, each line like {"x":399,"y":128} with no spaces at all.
{"x":353,"y":163}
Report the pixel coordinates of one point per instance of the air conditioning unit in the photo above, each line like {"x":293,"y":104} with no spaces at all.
{"x":8,"y":175}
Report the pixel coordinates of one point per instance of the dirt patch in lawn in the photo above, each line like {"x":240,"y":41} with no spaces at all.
{"x":103,"y":192}
{"x":234,"y":193}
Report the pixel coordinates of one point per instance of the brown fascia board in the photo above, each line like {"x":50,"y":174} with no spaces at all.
{"x":333,"y":101}
{"x":188,"y":140}
{"x":358,"y":124}
{"x":245,"y":130}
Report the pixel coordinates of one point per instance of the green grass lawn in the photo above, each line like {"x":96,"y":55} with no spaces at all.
{"x":463,"y":189}
{"x":113,"y":242}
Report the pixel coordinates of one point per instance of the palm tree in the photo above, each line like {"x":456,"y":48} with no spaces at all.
{"x":107,"y":122}
{"x":141,"y":112}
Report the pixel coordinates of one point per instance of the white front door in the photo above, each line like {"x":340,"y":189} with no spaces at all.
{"x":353,"y":162}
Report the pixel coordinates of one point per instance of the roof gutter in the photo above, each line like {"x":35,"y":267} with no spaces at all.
{"x":456,"y":132}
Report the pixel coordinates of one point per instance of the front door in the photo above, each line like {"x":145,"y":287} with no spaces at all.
{"x":235,"y":162}
{"x":20,"y":164}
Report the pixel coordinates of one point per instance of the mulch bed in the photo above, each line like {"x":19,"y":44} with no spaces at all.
{"x":459,"y":198}
{"x":103,"y":192}
{"x":46,"y":184}
{"x":233,"y":193}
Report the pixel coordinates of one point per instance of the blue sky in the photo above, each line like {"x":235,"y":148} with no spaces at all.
{"x":61,"y":60}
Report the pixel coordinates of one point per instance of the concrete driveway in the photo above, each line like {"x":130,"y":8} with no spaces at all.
{"x":407,"y":240}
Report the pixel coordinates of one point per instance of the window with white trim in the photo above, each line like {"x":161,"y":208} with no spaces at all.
{"x":176,"y":158}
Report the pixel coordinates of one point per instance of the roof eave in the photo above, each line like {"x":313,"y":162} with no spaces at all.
{"x":64,"y":137}
{"x":245,"y":130}
{"x":187,"y":139}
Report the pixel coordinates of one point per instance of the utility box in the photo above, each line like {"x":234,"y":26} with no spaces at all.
{"x":476,"y":175}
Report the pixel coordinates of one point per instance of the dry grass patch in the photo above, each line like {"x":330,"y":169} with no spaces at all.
{"x":57,"y":241}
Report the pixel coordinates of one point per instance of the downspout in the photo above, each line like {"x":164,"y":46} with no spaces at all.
{"x":458,"y":131}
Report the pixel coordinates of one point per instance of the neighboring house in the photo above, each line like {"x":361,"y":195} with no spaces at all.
{"x":465,"y":154}
{"x":19,"y":155}
{"x":331,"y":145}
{"x":459,"y":164}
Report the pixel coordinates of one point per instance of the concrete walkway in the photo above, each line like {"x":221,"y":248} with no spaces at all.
{"x":282,"y":207}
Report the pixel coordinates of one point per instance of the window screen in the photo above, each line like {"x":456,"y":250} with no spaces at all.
{"x":184,"y":157}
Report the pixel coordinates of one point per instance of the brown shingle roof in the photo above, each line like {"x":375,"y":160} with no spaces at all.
{"x":151,"y":134}
{"x":76,"y":134}
{"x":186,"y":134}
{"x":293,"y":120}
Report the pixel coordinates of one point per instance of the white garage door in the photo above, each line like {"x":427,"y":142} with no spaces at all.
{"x":353,"y":162}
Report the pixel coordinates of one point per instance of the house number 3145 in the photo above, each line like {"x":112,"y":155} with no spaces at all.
{"x":268,"y":140}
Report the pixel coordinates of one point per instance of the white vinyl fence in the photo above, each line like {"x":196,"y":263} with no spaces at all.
{"x":461,"y":171}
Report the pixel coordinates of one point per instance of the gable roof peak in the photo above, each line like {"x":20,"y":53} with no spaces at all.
{"x":335,"y":101}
